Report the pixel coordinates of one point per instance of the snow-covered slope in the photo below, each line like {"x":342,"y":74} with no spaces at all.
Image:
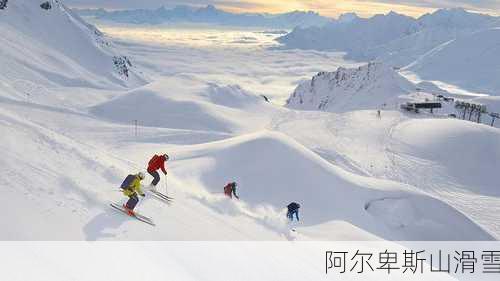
{"x":327,"y":194}
{"x":470,"y":62}
{"x":452,"y":160}
{"x":436,"y":29}
{"x":208,"y":15}
{"x":468,"y":153}
{"x":56,"y":47}
{"x":65,"y":154}
{"x":191,"y":105}
{"x":456,"y":18}
{"x":78,"y":193}
{"x":394,"y":39}
{"x":367,"y":87}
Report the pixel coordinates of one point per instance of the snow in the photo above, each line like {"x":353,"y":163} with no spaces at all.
{"x":374,"y":85}
{"x":57,"y":47}
{"x":453,"y":46}
{"x":213,"y":107}
{"x":66,"y":148}
{"x":392,"y":35}
{"x":351,"y":36}
{"x":469,"y":152}
{"x":472,"y":58}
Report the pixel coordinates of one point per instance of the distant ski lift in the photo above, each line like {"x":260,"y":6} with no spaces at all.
{"x":472,"y":109}
{"x":417,"y":106}
{"x":444,"y":98}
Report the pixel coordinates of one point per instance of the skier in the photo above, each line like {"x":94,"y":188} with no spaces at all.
{"x":230,"y":190}
{"x":131,"y":187}
{"x":157,"y":162}
{"x":293,"y":208}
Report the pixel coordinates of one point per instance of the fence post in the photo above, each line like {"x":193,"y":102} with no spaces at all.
{"x":135,"y":128}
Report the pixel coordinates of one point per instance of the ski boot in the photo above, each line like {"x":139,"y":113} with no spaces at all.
{"x":130,"y":212}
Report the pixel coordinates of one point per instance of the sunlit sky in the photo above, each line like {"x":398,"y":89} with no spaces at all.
{"x":330,"y":8}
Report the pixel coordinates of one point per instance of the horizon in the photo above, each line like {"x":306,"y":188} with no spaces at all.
{"x":363,"y":9}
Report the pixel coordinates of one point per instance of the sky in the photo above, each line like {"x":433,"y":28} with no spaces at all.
{"x":330,"y":8}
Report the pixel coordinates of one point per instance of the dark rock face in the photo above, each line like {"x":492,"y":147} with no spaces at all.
{"x":122,"y":64}
{"x":46,"y":5}
{"x":3,"y":4}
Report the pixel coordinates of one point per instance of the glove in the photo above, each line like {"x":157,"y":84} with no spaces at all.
{"x":143,"y":194}
{"x":165,"y":173}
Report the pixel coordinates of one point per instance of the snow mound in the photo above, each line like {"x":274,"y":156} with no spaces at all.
{"x":153,"y":110}
{"x":468,"y":153}
{"x":232,"y":96}
{"x":470,"y":62}
{"x":326,"y":192}
{"x":183,"y":103}
{"x":57,"y":47}
{"x":366,"y":87}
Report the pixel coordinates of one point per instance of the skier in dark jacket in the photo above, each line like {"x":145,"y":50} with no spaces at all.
{"x":230,"y":190}
{"x":293,"y":208}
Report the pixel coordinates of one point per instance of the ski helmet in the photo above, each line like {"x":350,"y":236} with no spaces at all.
{"x":166,"y":156}
{"x":141,"y":175}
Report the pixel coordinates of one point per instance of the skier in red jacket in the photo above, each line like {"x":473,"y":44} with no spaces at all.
{"x":156,"y":163}
{"x":230,"y":190}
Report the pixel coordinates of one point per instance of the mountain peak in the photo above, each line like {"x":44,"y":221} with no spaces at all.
{"x":363,"y":87}
{"x":456,"y":18}
{"x":348,"y":17}
{"x":210,"y":7}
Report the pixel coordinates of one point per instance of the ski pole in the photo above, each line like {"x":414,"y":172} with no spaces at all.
{"x":166,"y":185}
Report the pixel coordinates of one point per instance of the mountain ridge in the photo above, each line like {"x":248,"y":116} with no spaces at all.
{"x":208,"y":14}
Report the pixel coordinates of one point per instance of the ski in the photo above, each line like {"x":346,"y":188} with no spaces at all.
{"x":161,"y":199}
{"x":136,"y":215}
{"x":161,"y":195}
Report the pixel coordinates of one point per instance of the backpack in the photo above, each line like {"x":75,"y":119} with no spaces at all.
{"x":127,"y":182}
{"x":228,"y":189}
{"x":153,"y":160}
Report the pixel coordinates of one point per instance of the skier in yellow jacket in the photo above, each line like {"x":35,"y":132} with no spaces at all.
{"x":131,"y":187}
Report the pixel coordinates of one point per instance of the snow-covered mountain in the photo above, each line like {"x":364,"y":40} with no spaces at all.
{"x":359,"y":36}
{"x":399,"y":41}
{"x":367,"y":87}
{"x":471,"y":62}
{"x":435,"y":29}
{"x":352,"y":35}
{"x":456,"y":18}
{"x":208,"y":15}
{"x":54,"y":46}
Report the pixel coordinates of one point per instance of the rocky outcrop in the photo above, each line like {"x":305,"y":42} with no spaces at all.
{"x":367,"y":86}
{"x":3,"y":4}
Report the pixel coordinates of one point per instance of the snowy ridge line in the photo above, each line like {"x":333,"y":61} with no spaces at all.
{"x":77,"y":54}
{"x":184,"y":14}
